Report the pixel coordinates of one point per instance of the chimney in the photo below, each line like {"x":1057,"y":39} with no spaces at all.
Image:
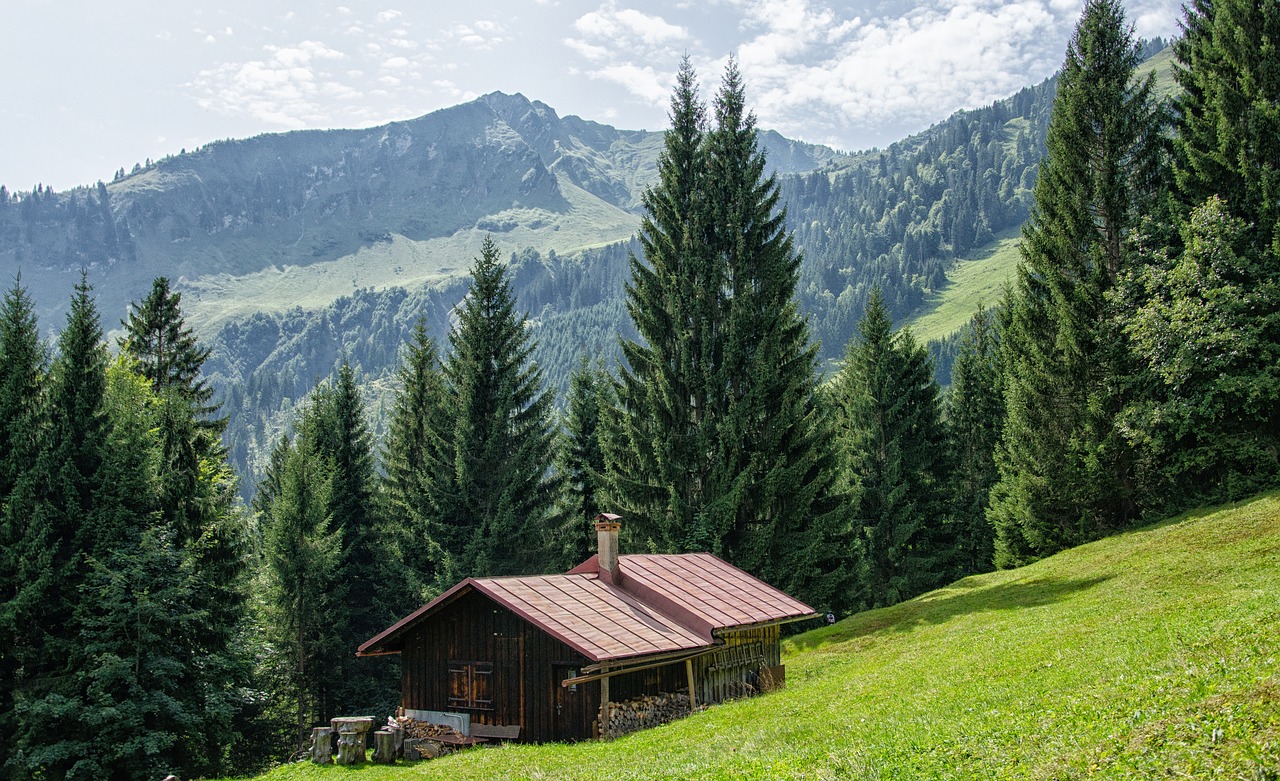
{"x":607,"y":527}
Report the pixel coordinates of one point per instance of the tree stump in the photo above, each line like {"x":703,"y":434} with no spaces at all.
{"x":384,"y":747}
{"x":350,"y":745}
{"x":322,"y":745}
{"x":356,"y":731}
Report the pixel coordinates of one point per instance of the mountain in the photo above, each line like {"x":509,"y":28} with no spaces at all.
{"x":302,"y":218}
{"x":297,"y":251}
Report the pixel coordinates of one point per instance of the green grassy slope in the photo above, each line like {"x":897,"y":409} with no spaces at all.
{"x":978,"y":278}
{"x":1154,"y":653}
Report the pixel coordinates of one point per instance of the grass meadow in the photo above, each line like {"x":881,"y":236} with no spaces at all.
{"x":1151,"y":654}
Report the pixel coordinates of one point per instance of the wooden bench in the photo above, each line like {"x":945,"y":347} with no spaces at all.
{"x":496,"y":731}
{"x":456,"y":740}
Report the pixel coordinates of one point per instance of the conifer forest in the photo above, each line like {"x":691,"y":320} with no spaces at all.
{"x":164,"y":608}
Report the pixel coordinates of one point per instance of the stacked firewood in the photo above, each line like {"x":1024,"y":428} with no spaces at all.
{"x":423,"y":730}
{"x":643,"y":712}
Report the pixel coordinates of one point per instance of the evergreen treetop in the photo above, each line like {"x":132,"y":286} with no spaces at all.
{"x":496,"y":504}
{"x":1066,"y":473}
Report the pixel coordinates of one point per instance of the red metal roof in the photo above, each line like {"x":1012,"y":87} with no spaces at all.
{"x":711,"y":588}
{"x":591,"y":616}
{"x":660,"y":604}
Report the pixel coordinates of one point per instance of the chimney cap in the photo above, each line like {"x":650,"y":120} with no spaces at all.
{"x":607,"y":517}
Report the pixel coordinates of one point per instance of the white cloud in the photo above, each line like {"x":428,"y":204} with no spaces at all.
{"x":482,"y":35}
{"x":386,"y":16}
{"x":641,"y":81}
{"x":628,"y":24}
{"x":817,"y":70}
{"x":622,"y":45}
{"x":395,"y":63}
{"x":283,"y":90}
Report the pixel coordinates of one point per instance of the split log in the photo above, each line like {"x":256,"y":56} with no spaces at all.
{"x":621,"y":718}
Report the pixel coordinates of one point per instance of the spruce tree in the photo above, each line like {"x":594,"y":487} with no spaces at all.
{"x":1066,"y":473}
{"x":196,"y":506}
{"x":1208,"y":311}
{"x":138,"y":686}
{"x":718,"y":444}
{"x":581,"y":463}
{"x":496,"y":506}
{"x":1208,"y":331}
{"x":774,"y":509}
{"x":168,"y":352}
{"x":22,"y":374}
{"x":416,"y":463}
{"x":1228,"y":112}
{"x":975,"y":414}
{"x":302,"y":555}
{"x":895,"y":445}
{"x":665,"y":430}
{"x":52,"y":566}
{"x":342,"y":438}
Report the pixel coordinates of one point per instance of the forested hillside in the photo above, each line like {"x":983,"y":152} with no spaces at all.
{"x":894,"y":219}
{"x":398,"y":438}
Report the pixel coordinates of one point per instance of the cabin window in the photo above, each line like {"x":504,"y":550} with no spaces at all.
{"x":471,"y":685}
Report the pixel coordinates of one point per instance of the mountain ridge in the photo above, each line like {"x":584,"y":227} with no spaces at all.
{"x":428,"y":186}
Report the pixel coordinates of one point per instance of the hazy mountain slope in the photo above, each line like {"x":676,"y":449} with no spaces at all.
{"x":267,"y":223}
{"x":278,"y":238}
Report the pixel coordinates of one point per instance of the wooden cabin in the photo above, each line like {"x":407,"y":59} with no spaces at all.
{"x":549,"y":657}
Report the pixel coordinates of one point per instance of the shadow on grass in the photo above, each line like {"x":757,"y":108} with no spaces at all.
{"x":941,"y":606}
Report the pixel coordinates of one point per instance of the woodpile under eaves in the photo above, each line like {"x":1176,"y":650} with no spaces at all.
{"x":640,"y":713}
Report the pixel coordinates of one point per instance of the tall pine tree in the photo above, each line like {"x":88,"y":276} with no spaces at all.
{"x":1066,"y":473}
{"x":416,"y":462}
{"x":52,"y":566}
{"x":581,"y":463}
{"x":775,"y":496}
{"x":666,"y":426}
{"x":496,"y":507}
{"x":22,"y":374}
{"x":302,"y":556}
{"x":718,"y":444}
{"x":138,"y":687}
{"x":342,"y":438}
{"x":1208,"y":311}
{"x":895,"y":446}
{"x":196,"y":507}
{"x":975,"y":415}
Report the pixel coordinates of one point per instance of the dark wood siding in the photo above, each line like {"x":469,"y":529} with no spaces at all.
{"x":526,"y":666}
{"x":669,"y":678}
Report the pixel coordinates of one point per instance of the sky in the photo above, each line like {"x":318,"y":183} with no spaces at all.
{"x":89,"y":87}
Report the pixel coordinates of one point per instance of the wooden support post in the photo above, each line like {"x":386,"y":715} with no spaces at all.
{"x":693,"y":698}
{"x":603,"y":720}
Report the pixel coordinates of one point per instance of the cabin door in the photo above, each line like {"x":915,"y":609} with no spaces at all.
{"x":572,"y":722}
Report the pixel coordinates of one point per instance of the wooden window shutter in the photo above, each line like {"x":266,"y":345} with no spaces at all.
{"x":482,"y":685}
